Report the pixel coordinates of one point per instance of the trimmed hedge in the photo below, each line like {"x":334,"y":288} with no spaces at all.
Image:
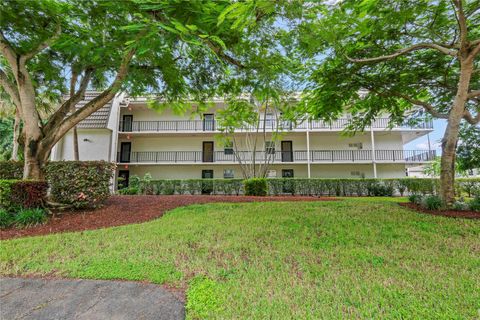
{"x":80,"y":183}
{"x":256,"y":187}
{"x":6,"y":193}
{"x":11,"y":170}
{"x":145,"y":185}
{"x":298,"y":186}
{"x":29,"y":194}
{"x":15,"y":194}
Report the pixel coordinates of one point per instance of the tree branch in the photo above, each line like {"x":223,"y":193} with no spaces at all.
{"x":471,"y":119}
{"x":220,"y":53}
{"x":43,"y":45}
{"x":10,"y":88}
{"x":427,"y":106}
{"x":461,"y":20}
{"x":474,"y":52}
{"x":7,"y":50}
{"x":473,"y":94}
{"x":74,"y":99}
{"x":415,"y":47}
{"x":96,"y":103}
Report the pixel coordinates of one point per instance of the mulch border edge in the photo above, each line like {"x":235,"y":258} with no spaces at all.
{"x":455,"y":214}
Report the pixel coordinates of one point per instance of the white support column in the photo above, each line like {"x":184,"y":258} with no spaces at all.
{"x":374,"y":160}
{"x":113,"y":124}
{"x":308,"y":150}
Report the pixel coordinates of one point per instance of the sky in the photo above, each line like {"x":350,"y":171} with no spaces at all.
{"x":435,"y":138}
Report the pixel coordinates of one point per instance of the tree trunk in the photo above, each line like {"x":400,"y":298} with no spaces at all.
{"x":16,"y":136}
{"x":450,"y":138}
{"x":75,"y":144}
{"x":33,"y":167}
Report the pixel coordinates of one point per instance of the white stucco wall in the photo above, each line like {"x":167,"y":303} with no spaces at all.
{"x":93,"y":144}
{"x":318,"y":141}
{"x":300,"y":170}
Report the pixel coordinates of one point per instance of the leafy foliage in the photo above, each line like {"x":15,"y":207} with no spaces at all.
{"x":432,"y":202}
{"x":6,"y":193}
{"x":475,"y":204}
{"x":11,"y":170}
{"x":6,"y":137}
{"x":80,"y":183}
{"x":29,"y":194}
{"x":256,"y":187}
{"x":6,"y":218}
{"x":303,"y":186}
{"x":30,"y":217}
{"x":468,"y":150}
{"x":15,"y":194}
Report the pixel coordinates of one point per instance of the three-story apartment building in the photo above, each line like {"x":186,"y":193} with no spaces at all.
{"x":169,"y":146}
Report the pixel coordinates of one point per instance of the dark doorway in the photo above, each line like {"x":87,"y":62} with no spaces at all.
{"x":287,"y":151}
{"x":123,"y":177}
{"x":127,"y":123}
{"x":208,"y":122}
{"x":207,"y":186}
{"x":288,"y":187}
{"x":207,"y":151}
{"x":125,"y":149}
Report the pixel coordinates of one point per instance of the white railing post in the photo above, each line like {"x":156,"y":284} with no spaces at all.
{"x":308,"y":150}
{"x":374,"y":161}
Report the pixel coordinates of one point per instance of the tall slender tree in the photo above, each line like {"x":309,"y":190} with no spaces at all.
{"x":404,"y":58}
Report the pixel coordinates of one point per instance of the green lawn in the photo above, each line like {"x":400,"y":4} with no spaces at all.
{"x":355,"y":258}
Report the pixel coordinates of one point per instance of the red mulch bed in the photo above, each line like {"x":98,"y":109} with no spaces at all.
{"x":445,"y":213}
{"x":120,"y":210}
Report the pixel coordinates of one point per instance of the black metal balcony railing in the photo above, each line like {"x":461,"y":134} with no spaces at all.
{"x":316,"y":156}
{"x":270,"y":125}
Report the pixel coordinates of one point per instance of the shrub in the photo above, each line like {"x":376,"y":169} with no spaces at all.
{"x":11,"y":170}
{"x":460,"y":205}
{"x":256,"y":187}
{"x":6,"y":193}
{"x":432,"y":202}
{"x":415,"y":198}
{"x":30,"y":217}
{"x":29,"y":194}
{"x":80,"y":183}
{"x":6,"y":219}
{"x":128,"y":191}
{"x":474,"y":205}
{"x":17,"y":194}
{"x":380,"y":189}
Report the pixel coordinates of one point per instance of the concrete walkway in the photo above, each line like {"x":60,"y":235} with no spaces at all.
{"x":85,"y":299}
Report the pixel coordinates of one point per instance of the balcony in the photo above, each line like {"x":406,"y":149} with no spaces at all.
{"x":298,"y":156}
{"x":270,"y":125}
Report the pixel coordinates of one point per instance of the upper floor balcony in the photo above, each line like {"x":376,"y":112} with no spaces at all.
{"x":211,"y":125}
{"x":275,"y":156}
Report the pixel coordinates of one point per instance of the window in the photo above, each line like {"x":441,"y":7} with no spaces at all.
{"x":270,"y":147}
{"x":357,"y":174}
{"x":228,"y":174}
{"x":271,"y":173}
{"x":228,"y":149}
{"x":357,"y":145}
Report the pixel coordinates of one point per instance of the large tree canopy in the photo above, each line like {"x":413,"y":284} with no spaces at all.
{"x":404,"y":58}
{"x":174,"y":48}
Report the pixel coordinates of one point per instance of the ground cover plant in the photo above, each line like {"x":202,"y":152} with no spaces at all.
{"x":355,"y":258}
